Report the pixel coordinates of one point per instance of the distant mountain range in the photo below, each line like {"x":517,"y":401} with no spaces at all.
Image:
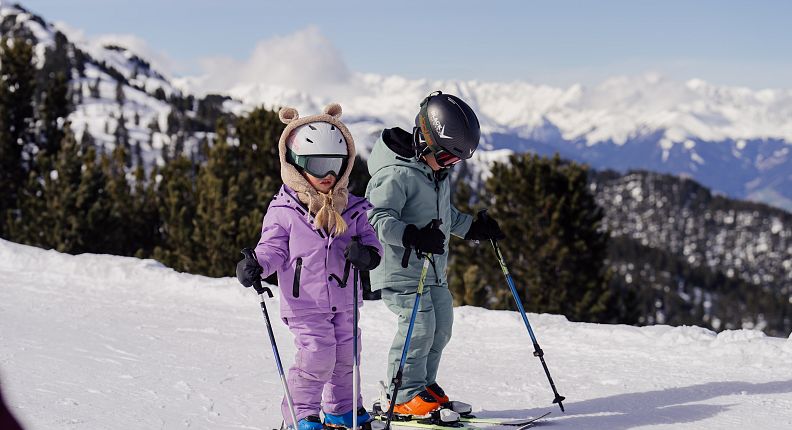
{"x":734,"y":140}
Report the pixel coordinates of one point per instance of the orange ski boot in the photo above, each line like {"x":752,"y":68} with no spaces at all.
{"x":422,"y":405}
{"x":461,"y":408}
{"x":437,"y":393}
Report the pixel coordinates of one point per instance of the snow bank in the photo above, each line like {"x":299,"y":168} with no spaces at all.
{"x":100,"y":342}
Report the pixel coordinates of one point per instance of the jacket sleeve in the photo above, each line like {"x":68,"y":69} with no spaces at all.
{"x":388,"y":196}
{"x":367,"y":234}
{"x":272,"y":250}
{"x":460,"y":223}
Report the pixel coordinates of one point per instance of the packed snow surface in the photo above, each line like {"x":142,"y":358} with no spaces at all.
{"x":105,"y":342}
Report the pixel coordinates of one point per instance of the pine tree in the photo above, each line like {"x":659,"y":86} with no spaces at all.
{"x":94,"y":88}
{"x":258,"y":173}
{"x":78,"y":94}
{"x":119,"y":93}
{"x":92,"y":201}
{"x":218,"y":213}
{"x":469,"y":261}
{"x":175,"y":194}
{"x":137,"y":154}
{"x":87,"y":140}
{"x":30,"y":224}
{"x":55,"y":108}
{"x":145,"y":221}
{"x":117,"y":236}
{"x":17,"y":85}
{"x":556,"y":247}
{"x":62,"y":206}
{"x":54,"y":101}
{"x":121,"y":133}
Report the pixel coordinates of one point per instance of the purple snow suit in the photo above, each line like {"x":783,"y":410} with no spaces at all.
{"x":310,"y":265}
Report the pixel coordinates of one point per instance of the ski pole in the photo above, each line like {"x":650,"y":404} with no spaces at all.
{"x":356,"y":364}
{"x":397,"y":379}
{"x":355,"y":369}
{"x":262,"y":290}
{"x":537,"y":350}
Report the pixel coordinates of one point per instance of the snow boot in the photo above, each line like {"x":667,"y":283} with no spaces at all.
{"x":461,"y":408}
{"x":345,"y":420}
{"x":310,"y":423}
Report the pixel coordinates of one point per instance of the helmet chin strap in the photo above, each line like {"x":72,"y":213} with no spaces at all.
{"x":419,"y":144}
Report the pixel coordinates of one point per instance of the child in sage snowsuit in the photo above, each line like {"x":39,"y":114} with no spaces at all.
{"x":410,"y":187}
{"x":312,"y":231}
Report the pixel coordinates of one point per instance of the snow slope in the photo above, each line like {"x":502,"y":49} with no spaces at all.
{"x":105,"y":342}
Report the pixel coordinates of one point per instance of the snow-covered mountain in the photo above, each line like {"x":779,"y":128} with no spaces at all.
{"x":734,"y":140}
{"x":104,"y":342}
{"x":731,"y":139}
{"x":109,"y":84}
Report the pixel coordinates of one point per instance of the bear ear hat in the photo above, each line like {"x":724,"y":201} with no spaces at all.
{"x":334,"y":110}
{"x":289,"y":114}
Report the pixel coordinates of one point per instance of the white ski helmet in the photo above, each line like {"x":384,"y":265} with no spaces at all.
{"x":318,"y":148}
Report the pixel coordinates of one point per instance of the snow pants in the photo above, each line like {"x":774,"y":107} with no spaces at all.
{"x":431,"y":334}
{"x":321,"y":376}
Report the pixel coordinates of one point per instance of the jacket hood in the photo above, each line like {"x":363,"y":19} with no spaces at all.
{"x":391,"y":149}
{"x":291,"y":177}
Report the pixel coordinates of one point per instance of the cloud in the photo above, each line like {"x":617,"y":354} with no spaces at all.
{"x":160,"y":60}
{"x":305,"y":60}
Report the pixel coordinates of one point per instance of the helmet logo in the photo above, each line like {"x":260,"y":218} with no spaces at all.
{"x":439,"y":127}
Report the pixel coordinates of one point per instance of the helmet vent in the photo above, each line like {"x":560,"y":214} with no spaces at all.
{"x":332,"y":127}
{"x":311,"y":127}
{"x":309,"y":140}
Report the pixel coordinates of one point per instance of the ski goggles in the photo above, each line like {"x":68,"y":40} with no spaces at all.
{"x":444,"y":157}
{"x":320,"y":165}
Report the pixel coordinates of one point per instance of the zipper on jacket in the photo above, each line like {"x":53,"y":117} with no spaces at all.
{"x":437,"y":195}
{"x":296,"y":285}
{"x":437,"y":201}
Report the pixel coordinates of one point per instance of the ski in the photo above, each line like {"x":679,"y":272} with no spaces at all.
{"x":379,"y":424}
{"x":503,"y":421}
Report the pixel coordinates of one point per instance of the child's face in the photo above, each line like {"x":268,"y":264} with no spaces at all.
{"x":323,"y":185}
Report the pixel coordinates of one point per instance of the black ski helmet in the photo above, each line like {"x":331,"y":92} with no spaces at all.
{"x":446,"y":124}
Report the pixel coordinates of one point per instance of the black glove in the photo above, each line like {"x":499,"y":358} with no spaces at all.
{"x":484,"y":228}
{"x":248,"y":271}
{"x":429,"y":240}
{"x":363,"y":257}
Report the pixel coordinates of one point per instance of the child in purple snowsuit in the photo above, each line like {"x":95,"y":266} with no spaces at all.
{"x":307,"y":238}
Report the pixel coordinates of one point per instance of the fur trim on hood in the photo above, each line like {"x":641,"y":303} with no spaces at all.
{"x":326,"y":207}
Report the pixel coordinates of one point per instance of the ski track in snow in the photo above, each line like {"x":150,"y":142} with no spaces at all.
{"x":103,"y":342}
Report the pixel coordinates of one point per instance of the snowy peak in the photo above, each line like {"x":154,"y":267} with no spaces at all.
{"x":117,"y":95}
{"x":618,"y":110}
{"x":732,"y":139}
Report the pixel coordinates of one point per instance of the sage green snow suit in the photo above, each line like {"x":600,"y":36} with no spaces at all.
{"x":404,"y":190}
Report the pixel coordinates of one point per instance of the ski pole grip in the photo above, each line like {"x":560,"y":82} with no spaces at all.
{"x":260,"y":289}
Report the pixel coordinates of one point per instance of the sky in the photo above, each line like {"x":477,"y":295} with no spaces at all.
{"x":559,"y":42}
